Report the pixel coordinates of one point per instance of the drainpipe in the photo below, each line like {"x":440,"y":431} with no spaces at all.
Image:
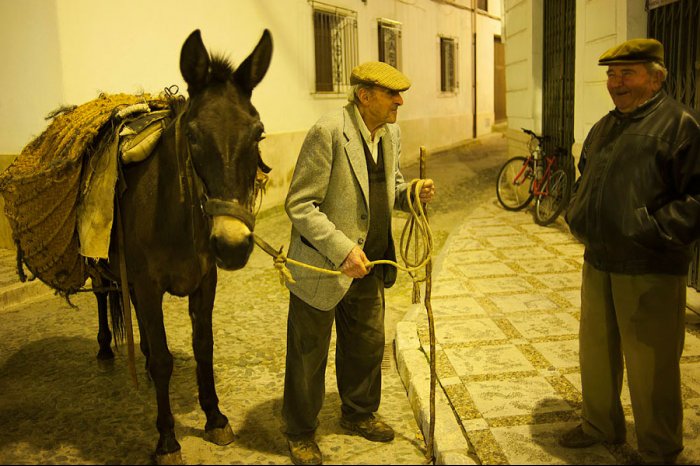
{"x":474,"y":67}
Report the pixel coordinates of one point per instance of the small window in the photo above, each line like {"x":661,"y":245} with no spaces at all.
{"x":335,"y":44}
{"x":389,"y":35}
{"x":482,"y":4}
{"x":448,"y":64}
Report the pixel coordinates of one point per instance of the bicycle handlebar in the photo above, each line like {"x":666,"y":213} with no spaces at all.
{"x":534,"y":135}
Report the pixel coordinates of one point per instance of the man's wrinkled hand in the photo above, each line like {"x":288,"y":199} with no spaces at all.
{"x":427,"y":191}
{"x":356,"y":264}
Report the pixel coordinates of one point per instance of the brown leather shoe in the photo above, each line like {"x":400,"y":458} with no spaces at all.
{"x":370,"y":428}
{"x":577,"y":438}
{"x":304,"y":452}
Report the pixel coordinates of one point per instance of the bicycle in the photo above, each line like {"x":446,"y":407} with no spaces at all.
{"x":539,"y":175}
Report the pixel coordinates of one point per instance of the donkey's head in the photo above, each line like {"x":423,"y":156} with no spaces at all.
{"x":222,"y":129}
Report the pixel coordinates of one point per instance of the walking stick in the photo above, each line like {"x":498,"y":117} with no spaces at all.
{"x":431,"y":324}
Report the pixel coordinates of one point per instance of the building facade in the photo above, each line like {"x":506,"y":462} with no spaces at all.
{"x":553,"y":81}
{"x":69,"y":51}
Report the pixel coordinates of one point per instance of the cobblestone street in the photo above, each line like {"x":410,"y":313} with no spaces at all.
{"x":58,"y":408}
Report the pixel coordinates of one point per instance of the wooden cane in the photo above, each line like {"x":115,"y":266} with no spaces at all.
{"x":431,"y":323}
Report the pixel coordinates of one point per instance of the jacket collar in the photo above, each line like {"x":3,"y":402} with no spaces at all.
{"x":643,"y":110}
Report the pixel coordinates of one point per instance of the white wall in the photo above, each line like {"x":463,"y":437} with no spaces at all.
{"x":523,"y":50}
{"x":600,"y":24}
{"x":63,"y":52}
{"x":31,"y":79}
{"x":487,"y":29}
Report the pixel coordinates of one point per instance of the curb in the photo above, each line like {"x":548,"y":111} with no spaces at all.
{"x":450,"y":445}
{"x":20,"y":294}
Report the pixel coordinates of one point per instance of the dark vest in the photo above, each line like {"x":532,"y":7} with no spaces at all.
{"x":377,"y":241}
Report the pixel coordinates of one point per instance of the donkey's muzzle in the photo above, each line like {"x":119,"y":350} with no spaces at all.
{"x":231,"y":234}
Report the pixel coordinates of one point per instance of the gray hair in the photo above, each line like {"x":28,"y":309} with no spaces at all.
{"x":653,"y":67}
{"x":354,"y":90}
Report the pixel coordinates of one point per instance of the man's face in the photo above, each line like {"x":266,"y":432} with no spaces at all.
{"x":381,"y":107}
{"x":631,"y":85}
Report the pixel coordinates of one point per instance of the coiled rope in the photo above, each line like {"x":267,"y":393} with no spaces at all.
{"x":416,"y":232}
{"x":416,"y":235}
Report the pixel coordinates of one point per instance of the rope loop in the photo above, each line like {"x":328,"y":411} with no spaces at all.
{"x":416,"y":234}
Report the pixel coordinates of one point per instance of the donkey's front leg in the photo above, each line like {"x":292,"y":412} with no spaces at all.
{"x":160,"y":368}
{"x":217,"y":428}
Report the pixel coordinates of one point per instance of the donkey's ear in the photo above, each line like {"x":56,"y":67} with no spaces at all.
{"x":253,"y":68}
{"x":194,"y":62}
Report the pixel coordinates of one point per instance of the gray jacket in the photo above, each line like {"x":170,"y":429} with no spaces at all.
{"x":328,"y":202}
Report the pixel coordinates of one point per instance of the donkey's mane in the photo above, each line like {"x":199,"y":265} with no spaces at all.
{"x":221,"y":68}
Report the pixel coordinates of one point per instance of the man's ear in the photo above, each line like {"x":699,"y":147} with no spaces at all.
{"x":658,"y":80}
{"x":364,"y":94}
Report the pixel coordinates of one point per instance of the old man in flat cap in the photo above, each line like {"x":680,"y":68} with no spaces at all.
{"x":345,"y":184}
{"x":636,"y":209}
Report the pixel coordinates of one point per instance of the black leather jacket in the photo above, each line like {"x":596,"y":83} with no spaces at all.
{"x":636,"y":206}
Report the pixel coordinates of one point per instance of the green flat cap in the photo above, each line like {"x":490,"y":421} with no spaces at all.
{"x":381,"y":74}
{"x":634,"y":51}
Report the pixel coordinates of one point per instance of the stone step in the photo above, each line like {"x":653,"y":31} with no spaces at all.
{"x":13,"y":292}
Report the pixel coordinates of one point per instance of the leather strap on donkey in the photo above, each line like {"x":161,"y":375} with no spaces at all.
{"x":232,"y":209}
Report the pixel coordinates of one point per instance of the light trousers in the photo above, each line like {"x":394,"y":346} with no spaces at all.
{"x":640,"y":318}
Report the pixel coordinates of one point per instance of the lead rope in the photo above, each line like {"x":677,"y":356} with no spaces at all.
{"x":416,"y":228}
{"x":416,"y":232}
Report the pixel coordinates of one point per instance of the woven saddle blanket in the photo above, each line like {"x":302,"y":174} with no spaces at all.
{"x":62,"y":175}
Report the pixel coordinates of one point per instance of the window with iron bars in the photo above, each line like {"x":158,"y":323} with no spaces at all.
{"x":448,"y":64}
{"x":389,"y":34}
{"x":335,"y":45}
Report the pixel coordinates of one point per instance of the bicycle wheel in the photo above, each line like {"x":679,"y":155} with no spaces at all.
{"x":554,"y":199}
{"x":514,"y":184}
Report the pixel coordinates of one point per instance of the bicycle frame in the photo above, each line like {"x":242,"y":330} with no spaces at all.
{"x":537,"y":184}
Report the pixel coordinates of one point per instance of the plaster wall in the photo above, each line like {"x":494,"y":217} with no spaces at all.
{"x":80,"y":48}
{"x":523,"y":50}
{"x":600,"y":24}
{"x":487,"y":28}
{"x":69,"y":51}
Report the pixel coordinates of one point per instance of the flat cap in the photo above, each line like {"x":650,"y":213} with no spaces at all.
{"x":634,"y":51}
{"x":380,"y":74}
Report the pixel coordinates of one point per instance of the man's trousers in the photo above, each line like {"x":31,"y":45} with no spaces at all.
{"x":359,"y":322}
{"x":640,"y":318}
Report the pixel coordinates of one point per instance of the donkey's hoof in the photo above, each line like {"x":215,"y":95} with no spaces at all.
{"x":170,"y":458}
{"x":220,"y":436}
{"x":105,"y":364}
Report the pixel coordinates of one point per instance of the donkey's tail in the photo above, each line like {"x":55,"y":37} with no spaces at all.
{"x":116,"y":313}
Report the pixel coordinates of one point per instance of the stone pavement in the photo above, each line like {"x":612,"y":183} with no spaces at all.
{"x":505,"y":303}
{"x":505,"y":300}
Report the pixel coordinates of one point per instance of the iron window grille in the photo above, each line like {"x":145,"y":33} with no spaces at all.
{"x":389,"y":34}
{"x":335,"y":47}
{"x":448,"y":64}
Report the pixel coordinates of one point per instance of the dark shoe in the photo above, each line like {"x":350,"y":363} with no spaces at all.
{"x":304,"y":452}
{"x":577,"y":438}
{"x":370,"y":428}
